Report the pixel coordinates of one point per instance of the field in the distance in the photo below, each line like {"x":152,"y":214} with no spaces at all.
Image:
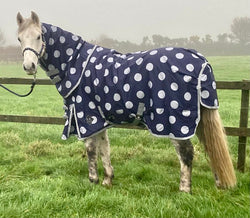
{"x":43,"y":176}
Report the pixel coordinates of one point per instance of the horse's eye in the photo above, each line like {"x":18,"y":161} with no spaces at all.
{"x":39,"y":37}
{"x":19,"y":39}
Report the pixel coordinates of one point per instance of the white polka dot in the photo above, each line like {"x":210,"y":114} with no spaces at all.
{"x":75,"y":38}
{"x":91,"y":105}
{"x":139,"y":61}
{"x":68,"y":84}
{"x":117,"y":97}
{"x":140,"y":94}
{"x":89,"y":51}
{"x":127,"y":71}
{"x":153,"y":52}
{"x":108,"y":106}
{"x":94,"y":120}
{"x":51,"y":41}
{"x":190,"y":67}
{"x":62,"y":39}
{"x":69,"y":51}
{"x":97,"y":98}
{"x":87,"y":73}
{"x":152,"y":116}
{"x":96,"y":82}
{"x":164,"y":59}
{"x":179,"y":56}
{"x":169,"y":49}
{"x":78,"y":99}
{"x":159,"y":110}
{"x":214,"y":85}
{"x":149,"y":66}
{"x":174,"y":69}
{"x":72,"y":70}
{"x":174,"y":104}
{"x":172,"y":119}
{"x":64,"y":137}
{"x":130,"y":58}
{"x":150,"y":84}
{"x":120,"y":111}
{"x":110,"y":59}
{"x":98,"y":66}
{"x":138,"y":77}
{"x":128,"y":104}
{"x":161,"y":76}
{"x":106,"y":89}
{"x":73,"y":98}
{"x":99,"y":49}
{"x":87,"y":89}
{"x":83,"y":130}
{"x":187,"y":78}
{"x":186,"y":113}
{"x":151,"y":102}
{"x":126,"y":87}
{"x":53,"y":28}
{"x":80,"y":114}
{"x":159,"y":127}
{"x":184,"y":130}
{"x":174,"y":86}
{"x":203,"y":77}
{"x":106,"y":72}
{"x":92,"y":59}
{"x":115,"y":79}
{"x":187,"y":96}
{"x":63,"y":66}
{"x":205,"y":94}
{"x":51,"y":67}
{"x":117,"y":65}
{"x":161,"y":94}
{"x":57,"y":54}
{"x":59,"y":88}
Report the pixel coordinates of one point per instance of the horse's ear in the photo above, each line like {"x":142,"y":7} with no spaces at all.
{"x":35,"y":17}
{"x":19,"y":19}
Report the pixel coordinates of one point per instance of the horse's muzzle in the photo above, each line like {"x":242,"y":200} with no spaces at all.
{"x":30,"y":69}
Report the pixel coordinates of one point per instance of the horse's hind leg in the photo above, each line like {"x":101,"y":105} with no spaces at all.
{"x":185,"y":152}
{"x":104,"y":149}
{"x":91,"y":147}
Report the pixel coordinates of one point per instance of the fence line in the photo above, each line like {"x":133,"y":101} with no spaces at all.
{"x":242,"y":131}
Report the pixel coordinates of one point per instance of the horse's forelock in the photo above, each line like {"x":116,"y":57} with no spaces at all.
{"x":26,"y":24}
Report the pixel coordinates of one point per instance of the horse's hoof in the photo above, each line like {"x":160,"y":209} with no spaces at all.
{"x":107,"y":182}
{"x":94,"y":180}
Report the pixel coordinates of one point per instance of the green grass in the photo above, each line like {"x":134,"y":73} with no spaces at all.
{"x":43,"y":176}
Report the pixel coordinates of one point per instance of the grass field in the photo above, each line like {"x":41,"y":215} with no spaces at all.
{"x":43,"y":176}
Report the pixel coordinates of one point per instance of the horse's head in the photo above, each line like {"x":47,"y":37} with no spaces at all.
{"x":31,"y":40}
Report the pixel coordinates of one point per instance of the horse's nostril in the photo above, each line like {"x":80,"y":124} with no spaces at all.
{"x":24,"y":67}
{"x":33,"y":66}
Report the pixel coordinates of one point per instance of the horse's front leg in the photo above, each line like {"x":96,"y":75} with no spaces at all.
{"x":104,"y":149}
{"x":91,"y":148}
{"x":185,"y":152}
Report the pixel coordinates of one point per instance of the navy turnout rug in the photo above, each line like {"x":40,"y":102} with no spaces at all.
{"x":160,"y":88}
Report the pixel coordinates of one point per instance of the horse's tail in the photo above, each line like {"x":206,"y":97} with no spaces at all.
{"x":211,"y":133}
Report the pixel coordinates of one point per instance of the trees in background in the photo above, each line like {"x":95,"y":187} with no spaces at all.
{"x":235,"y":43}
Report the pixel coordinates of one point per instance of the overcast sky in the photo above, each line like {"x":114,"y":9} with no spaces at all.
{"x":128,"y":19}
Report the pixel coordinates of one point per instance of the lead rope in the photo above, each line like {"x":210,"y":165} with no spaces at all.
{"x":20,"y":95}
